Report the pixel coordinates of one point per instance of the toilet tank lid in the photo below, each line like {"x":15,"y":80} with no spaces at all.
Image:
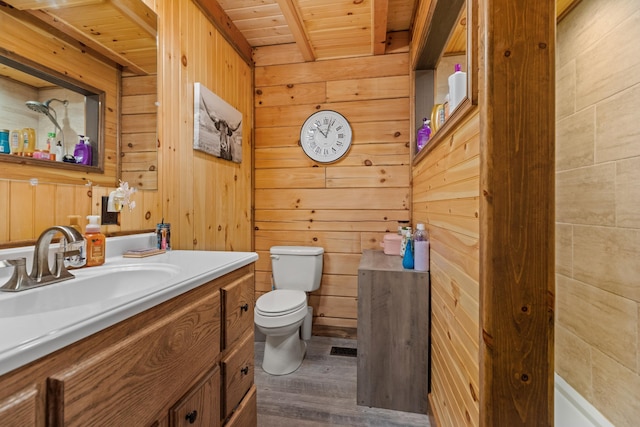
{"x":296,"y":250}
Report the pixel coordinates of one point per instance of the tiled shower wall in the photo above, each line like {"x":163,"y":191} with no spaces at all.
{"x":598,"y":205}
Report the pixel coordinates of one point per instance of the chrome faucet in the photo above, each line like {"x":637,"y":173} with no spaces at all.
{"x":41,"y":273}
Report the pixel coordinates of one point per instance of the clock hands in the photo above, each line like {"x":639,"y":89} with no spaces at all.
{"x":318,"y":127}
{"x":329,"y":127}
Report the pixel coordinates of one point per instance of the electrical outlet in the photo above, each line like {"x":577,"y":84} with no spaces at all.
{"x":109,"y":218}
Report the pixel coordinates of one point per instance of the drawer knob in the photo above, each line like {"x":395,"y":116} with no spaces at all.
{"x":245,"y":370}
{"x":191,"y":416}
{"x":244,"y":307}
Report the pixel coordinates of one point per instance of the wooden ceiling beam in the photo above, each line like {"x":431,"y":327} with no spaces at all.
{"x":379,"y":14}
{"x":297,"y":29}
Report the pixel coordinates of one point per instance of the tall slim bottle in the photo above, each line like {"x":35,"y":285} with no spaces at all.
{"x":421,"y":248}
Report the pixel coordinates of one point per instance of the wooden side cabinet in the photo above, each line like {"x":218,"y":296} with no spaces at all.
{"x":393,"y":334}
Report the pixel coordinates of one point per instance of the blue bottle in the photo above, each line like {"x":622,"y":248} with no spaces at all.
{"x":407,"y":259}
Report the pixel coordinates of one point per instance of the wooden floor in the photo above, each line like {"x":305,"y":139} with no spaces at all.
{"x":322,"y":392}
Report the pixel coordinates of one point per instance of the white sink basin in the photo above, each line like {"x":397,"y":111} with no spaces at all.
{"x":99,"y":285}
{"x":38,"y":321}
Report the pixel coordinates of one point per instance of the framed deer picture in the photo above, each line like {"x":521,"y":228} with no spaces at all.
{"x":217,"y":126}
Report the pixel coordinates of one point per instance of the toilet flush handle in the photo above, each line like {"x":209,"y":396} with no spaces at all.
{"x":276,"y":257}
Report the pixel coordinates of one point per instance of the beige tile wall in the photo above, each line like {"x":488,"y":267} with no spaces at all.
{"x":598,"y":206}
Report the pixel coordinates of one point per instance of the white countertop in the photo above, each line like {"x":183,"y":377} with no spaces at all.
{"x":26,"y":333}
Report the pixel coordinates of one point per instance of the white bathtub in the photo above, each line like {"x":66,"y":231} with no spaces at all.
{"x":573,"y":410}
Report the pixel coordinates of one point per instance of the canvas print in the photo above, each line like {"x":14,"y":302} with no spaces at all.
{"x":217,"y":126}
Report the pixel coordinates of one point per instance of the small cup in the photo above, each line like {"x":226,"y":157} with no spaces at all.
{"x":163,"y":232}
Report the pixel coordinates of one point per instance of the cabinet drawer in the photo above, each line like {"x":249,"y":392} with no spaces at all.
{"x":156,"y":360}
{"x":19,"y":409}
{"x":247,"y":413}
{"x":237,"y":374}
{"x":238,"y":301}
{"x":201,"y":406}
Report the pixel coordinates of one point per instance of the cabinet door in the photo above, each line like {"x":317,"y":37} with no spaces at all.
{"x":201,"y":406}
{"x":19,"y":410}
{"x":247,"y":413}
{"x":237,"y":373}
{"x":132,"y":381}
{"x":238,"y":301}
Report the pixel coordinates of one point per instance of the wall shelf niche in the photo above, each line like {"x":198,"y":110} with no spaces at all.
{"x":449,"y":39}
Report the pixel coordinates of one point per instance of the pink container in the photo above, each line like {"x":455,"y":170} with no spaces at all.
{"x":391,"y":244}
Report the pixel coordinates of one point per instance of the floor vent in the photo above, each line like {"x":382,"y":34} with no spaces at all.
{"x":344,"y":351}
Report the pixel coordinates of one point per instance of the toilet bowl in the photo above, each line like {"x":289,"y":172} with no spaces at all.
{"x":281,"y":313}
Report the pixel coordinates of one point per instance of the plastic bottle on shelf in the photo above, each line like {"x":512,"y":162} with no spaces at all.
{"x":82,"y":152}
{"x":59,"y":151}
{"x":457,"y":87}
{"x":407,"y":258}
{"x":15,"y":140}
{"x":5,"y":148}
{"x":29,"y":142}
{"x":424,"y":133}
{"x":421,"y":248}
{"x":51,"y":141}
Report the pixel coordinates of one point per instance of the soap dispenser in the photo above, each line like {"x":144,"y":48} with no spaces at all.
{"x":96,"y":242}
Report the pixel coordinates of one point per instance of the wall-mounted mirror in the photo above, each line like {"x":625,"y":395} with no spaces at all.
{"x":88,"y":47}
{"x":49,"y":120}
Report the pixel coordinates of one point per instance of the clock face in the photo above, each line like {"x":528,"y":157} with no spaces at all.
{"x":325,"y":136}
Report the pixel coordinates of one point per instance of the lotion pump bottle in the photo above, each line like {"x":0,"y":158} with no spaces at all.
{"x":96,"y":242}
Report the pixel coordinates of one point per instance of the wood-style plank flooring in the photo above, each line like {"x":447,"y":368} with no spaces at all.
{"x":322,"y":392}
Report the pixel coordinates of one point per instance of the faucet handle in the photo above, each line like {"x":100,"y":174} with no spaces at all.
{"x":20,"y":279}
{"x":13,"y":262}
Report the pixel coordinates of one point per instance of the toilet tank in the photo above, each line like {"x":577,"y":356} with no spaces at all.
{"x":297,"y":267}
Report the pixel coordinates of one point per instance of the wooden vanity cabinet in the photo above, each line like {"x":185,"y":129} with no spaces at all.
{"x":142,"y":374}
{"x":201,"y":406}
{"x":238,"y":301}
{"x":161,"y":368}
{"x":246,"y":414}
{"x":19,"y":409}
{"x":238,"y":356}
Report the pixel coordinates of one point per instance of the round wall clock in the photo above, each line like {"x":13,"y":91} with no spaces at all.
{"x":325,"y":136}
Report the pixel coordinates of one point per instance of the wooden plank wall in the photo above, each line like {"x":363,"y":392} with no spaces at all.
{"x":139,"y":132}
{"x":445,"y":198}
{"x":31,"y":209}
{"x":346,"y":206}
{"x":206,"y":199}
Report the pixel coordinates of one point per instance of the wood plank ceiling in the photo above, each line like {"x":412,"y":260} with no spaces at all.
{"x":329,"y":29}
{"x":321,"y":29}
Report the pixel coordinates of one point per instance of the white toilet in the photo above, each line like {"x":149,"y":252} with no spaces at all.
{"x":279,"y":314}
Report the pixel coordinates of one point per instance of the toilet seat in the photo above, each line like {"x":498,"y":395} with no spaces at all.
{"x":280,"y":302}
